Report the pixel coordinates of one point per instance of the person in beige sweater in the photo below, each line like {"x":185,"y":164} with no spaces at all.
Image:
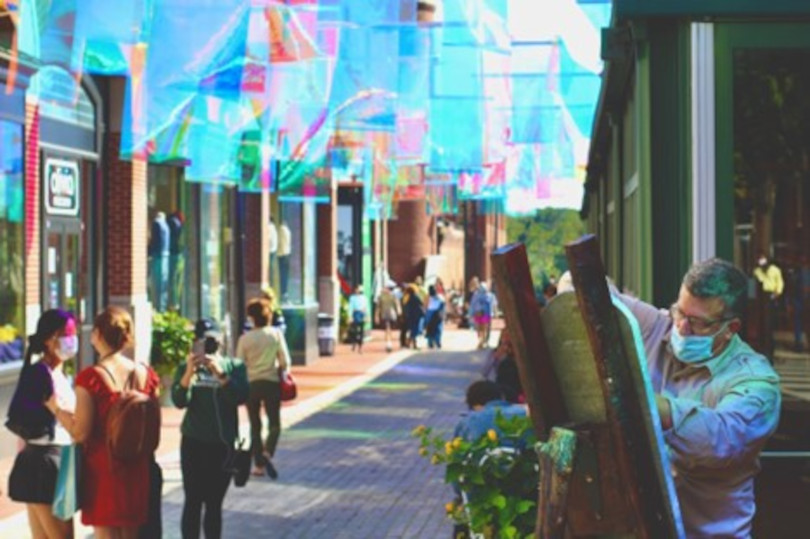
{"x":264,"y":351}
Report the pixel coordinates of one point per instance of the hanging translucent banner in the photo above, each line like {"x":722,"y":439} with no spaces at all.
{"x":195,"y":47}
{"x":212,"y":148}
{"x":456,"y":134}
{"x":108,"y":32}
{"x":47,"y":32}
{"x":442,"y":199}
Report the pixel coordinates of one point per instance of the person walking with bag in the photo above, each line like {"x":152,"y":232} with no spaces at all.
{"x":264,"y":352}
{"x":33,"y":477}
{"x":358,"y":308}
{"x":434,"y":318}
{"x":210,"y":387}
{"x":115,"y":491}
{"x":388,"y":311}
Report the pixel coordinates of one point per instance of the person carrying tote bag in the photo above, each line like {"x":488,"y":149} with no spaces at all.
{"x":264,"y":351}
{"x":33,"y":478}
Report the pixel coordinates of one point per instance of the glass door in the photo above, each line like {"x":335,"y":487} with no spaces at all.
{"x":763,"y":203}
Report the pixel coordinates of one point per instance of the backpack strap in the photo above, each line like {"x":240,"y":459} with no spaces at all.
{"x":105,"y":369}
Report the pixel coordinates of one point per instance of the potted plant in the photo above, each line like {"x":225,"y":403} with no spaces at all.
{"x":497,"y":476}
{"x":172,"y":337}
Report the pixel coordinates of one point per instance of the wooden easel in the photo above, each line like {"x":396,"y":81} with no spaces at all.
{"x":603,"y":471}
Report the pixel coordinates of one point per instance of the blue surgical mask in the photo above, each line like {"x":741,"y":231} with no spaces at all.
{"x":693,"y":348}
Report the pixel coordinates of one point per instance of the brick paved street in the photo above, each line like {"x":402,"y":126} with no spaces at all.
{"x":352,"y":470}
{"x":348,"y":465}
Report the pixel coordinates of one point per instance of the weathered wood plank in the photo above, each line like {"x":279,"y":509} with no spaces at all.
{"x":513,"y":283}
{"x":634,"y":431}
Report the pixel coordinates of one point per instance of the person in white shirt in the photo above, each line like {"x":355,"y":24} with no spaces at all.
{"x":358,"y":310}
{"x":264,"y":351}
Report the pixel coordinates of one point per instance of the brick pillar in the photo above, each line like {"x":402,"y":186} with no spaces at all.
{"x":127,"y":237}
{"x":256,"y":248}
{"x":410,"y":240}
{"x":33,"y":237}
{"x":328,"y":285}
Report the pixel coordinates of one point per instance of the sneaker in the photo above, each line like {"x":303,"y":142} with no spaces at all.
{"x":271,"y":470}
{"x":258,"y":470}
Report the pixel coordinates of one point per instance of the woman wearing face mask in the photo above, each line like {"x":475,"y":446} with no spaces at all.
{"x":33,"y":477}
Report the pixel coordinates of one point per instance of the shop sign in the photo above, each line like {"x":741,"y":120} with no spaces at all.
{"x":62,"y":187}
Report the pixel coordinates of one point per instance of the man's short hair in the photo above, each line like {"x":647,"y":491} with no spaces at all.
{"x":718,"y":278}
{"x":481,"y":392}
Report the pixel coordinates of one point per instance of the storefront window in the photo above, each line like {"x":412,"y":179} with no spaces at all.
{"x":12,"y":301}
{"x":168,"y":240}
{"x":215,"y":250}
{"x":297,"y":237}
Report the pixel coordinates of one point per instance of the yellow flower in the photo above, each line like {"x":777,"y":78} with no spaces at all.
{"x":450,"y":507}
{"x":492,"y":435}
{"x":423,"y":451}
{"x":448,"y":448}
{"x":456,"y":442}
{"x":418,"y":431}
{"x":434,"y":459}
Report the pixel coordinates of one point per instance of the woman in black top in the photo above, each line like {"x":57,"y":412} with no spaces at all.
{"x":33,"y":477}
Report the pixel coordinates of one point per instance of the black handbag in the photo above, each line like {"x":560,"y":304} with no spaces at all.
{"x":240,"y":465}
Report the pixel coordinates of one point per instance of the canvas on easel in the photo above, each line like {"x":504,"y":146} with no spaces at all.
{"x":604,"y":468}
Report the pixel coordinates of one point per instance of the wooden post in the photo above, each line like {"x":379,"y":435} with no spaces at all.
{"x":513,"y":284}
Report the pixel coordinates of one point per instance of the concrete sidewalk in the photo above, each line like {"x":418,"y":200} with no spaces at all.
{"x":319,"y":386}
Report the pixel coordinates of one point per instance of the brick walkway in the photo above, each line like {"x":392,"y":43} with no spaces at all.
{"x":348,"y":466}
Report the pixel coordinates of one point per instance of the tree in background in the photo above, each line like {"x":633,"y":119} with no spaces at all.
{"x":545,"y":235}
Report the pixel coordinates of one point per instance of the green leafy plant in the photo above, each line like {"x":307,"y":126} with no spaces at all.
{"x":343,"y":321}
{"x":498,"y":475}
{"x":172,"y":337}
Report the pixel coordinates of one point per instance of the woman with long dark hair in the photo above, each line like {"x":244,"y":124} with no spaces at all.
{"x":33,"y":478}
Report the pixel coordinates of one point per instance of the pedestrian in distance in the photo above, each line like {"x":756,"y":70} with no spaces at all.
{"x":33,"y":477}
{"x":115,"y":493}
{"x":264,"y":352}
{"x":388,"y":311}
{"x":358,"y":310}
{"x":414,"y":312}
{"x":434,"y":318}
{"x":210,"y":387}
{"x":481,"y":306}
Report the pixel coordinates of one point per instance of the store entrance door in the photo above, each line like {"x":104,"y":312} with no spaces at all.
{"x":61,"y":274}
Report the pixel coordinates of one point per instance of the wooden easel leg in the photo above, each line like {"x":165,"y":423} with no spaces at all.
{"x":556,"y":458}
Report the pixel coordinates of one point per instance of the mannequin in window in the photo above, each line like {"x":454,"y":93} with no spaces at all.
{"x":176,"y":258}
{"x":284,"y":249}
{"x":272,"y":243}
{"x":159,"y":261}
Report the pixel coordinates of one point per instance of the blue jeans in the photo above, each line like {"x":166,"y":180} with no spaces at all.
{"x":160,"y":281}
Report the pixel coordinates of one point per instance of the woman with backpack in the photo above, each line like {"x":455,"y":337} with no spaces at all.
{"x":210,"y":387}
{"x":33,"y":477}
{"x":114,"y":490}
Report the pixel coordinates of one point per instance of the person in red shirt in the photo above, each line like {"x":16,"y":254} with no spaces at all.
{"x":114,"y":503}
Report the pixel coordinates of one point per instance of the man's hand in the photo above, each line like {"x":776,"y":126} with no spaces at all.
{"x":664,"y":411}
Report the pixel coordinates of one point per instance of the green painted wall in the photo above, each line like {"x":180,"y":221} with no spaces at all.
{"x":670,"y":156}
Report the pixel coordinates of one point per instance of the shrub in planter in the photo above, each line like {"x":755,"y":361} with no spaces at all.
{"x":497,"y":473}
{"x":172,"y":337}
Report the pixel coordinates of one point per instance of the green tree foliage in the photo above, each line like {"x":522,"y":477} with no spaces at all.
{"x":545,"y":235}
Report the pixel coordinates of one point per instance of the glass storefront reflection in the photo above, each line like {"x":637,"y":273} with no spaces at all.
{"x":772,"y":205}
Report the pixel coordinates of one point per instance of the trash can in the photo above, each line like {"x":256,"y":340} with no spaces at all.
{"x":327,"y":334}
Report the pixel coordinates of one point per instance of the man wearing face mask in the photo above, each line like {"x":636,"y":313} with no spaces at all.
{"x":718,"y":399}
